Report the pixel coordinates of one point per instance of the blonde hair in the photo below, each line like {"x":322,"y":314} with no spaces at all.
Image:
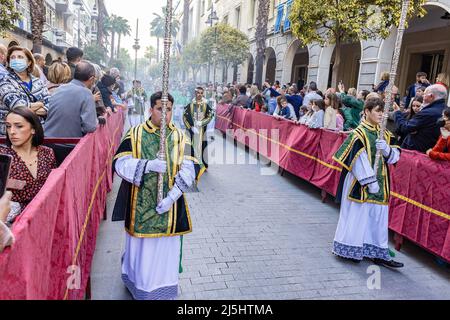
{"x":443,"y":78}
{"x":59,"y":72}
{"x":352,"y":92}
{"x":254,"y":90}
{"x":373,"y":95}
{"x":385,"y":76}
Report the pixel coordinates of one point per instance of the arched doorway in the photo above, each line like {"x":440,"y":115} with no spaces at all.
{"x":250,"y":69}
{"x":425,"y":47}
{"x":295,"y":64}
{"x":348,"y":71}
{"x":12,"y":44}
{"x":270,"y":65}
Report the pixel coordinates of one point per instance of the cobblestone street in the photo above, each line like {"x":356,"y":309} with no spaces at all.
{"x":267,"y":237}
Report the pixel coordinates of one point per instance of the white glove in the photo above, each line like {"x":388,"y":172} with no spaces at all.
{"x":156,"y":165}
{"x":374,"y":188}
{"x":198,"y":124}
{"x":383,"y":146}
{"x":167,"y":203}
{"x":195,"y":130}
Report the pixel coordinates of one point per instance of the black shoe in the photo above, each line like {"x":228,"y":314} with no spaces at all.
{"x":388,"y":264}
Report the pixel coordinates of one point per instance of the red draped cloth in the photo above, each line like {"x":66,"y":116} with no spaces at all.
{"x":56,"y":234}
{"x":420,"y":188}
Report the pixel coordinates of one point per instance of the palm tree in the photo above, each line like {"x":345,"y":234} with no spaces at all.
{"x":261,"y":36}
{"x":185,"y":37}
{"x":157,"y":28}
{"x":185,"y":22}
{"x":123,"y":29}
{"x":37,"y":11}
{"x":101,"y":21}
{"x":150,"y":53}
{"x":111,"y":27}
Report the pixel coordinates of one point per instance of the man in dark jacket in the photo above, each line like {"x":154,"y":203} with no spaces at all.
{"x":422,"y":131}
{"x":421,"y":81}
{"x":74,"y":56}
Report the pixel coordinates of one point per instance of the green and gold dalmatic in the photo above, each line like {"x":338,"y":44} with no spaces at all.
{"x":362,"y":139}
{"x":198,"y":112}
{"x":142,"y":220}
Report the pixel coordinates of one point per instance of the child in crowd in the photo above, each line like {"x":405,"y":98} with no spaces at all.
{"x":283,"y":109}
{"x":307,"y":114}
{"x":316,"y":120}
{"x":331,"y":105}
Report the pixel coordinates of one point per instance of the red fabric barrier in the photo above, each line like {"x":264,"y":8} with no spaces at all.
{"x":58,"y":229}
{"x":420,"y":201}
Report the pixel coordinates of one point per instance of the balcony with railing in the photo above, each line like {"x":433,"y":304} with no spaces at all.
{"x":63,"y":39}
{"x":61,"y":6}
{"x":282,"y":22}
{"x":24,"y":22}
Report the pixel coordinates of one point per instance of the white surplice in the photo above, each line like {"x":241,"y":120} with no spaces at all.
{"x":150,"y":266}
{"x":362,"y":231}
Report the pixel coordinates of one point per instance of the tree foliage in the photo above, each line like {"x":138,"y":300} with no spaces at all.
{"x":8,"y":15}
{"x":231,"y":44}
{"x":190,"y":58}
{"x":340,"y":21}
{"x":123,"y":29}
{"x":123,"y":61}
{"x":95,"y":53}
{"x":111,"y":28}
{"x":150,"y":54}
{"x":37,"y":13}
{"x":261,"y":36}
{"x":331,"y":21}
{"x":157,"y":28}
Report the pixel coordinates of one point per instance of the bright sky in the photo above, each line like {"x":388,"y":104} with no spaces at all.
{"x":137,"y":9}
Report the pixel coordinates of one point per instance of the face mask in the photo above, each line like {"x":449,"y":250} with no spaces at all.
{"x":18,"y":65}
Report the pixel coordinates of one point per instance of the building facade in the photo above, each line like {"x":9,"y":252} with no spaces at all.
{"x":426,"y":47}
{"x":68,"y":23}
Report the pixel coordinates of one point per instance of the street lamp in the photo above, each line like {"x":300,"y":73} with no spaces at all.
{"x":212,"y":20}
{"x":136,"y":47}
{"x":79,"y":4}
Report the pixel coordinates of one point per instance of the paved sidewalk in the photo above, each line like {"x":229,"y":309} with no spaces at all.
{"x":267,"y":237}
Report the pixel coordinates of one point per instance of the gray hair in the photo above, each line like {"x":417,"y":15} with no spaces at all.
{"x":98,"y":71}
{"x":438,"y":91}
{"x":114,"y":72}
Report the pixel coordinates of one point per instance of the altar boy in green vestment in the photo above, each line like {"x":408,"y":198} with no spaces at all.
{"x":152,"y":257}
{"x":362,"y":231}
{"x":197,"y":115}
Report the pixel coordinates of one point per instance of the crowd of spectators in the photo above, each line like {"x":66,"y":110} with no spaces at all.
{"x":66,"y":99}
{"x":73,"y":97}
{"x":417,"y":118}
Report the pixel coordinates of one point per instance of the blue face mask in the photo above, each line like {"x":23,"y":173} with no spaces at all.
{"x":18,"y":65}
